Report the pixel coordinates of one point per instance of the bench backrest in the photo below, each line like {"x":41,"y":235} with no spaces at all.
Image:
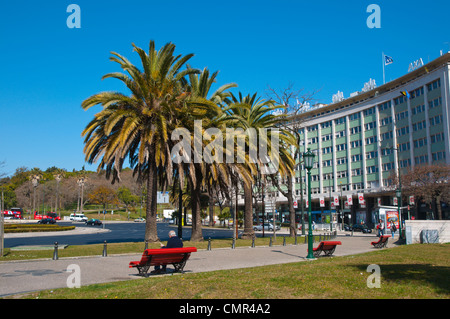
{"x":328,"y":244}
{"x":165,"y":256}
{"x":384,"y":238}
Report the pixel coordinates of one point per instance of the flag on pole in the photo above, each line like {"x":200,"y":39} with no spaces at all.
{"x":388,"y":60}
{"x":336,"y":201}
{"x":349,"y":200}
{"x":406,"y":93}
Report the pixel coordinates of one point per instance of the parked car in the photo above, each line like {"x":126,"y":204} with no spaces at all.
{"x":94,"y":222}
{"x":267,"y":226}
{"x":362,"y":228}
{"x":78,"y":218}
{"x":47,"y":221}
{"x":140,"y":220}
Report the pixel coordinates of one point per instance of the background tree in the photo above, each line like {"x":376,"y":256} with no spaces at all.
{"x":104,"y":196}
{"x":125,"y":196}
{"x":294,"y":102}
{"x":428,"y":182}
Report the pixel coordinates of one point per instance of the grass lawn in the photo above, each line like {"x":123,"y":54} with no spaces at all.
{"x":410,"y":272}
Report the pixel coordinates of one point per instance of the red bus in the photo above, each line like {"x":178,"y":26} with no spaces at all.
{"x":13,"y":213}
{"x":47,"y":215}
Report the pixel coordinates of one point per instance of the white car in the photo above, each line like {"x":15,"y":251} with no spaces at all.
{"x":78,"y":218}
{"x":267,"y":226}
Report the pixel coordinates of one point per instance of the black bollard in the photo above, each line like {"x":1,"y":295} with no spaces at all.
{"x":233,"y":245}
{"x":284,"y":241}
{"x":209,"y":243}
{"x":55,"y":252}
{"x":295,"y":240}
{"x":105,"y":254}
{"x":270,"y":242}
{"x":253,"y":241}
{"x":146,"y":244}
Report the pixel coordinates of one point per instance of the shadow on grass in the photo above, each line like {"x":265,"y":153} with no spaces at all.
{"x":419,"y":274}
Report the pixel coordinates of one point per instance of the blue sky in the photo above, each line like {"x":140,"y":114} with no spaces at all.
{"x":49,"y":69}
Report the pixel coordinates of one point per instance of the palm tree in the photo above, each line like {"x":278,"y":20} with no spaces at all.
{"x":138,"y":126}
{"x":206,"y":175}
{"x":252,"y":114}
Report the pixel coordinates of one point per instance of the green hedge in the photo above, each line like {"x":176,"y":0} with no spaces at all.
{"x":18,"y":228}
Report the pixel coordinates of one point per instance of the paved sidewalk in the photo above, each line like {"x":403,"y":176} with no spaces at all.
{"x":33,"y":275}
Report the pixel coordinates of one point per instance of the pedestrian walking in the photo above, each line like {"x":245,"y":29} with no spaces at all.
{"x":393,"y":229}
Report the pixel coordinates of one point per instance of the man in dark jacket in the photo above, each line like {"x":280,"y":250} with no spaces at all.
{"x":173,"y":242}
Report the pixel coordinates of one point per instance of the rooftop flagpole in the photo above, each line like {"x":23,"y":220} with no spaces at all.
{"x":384,"y":63}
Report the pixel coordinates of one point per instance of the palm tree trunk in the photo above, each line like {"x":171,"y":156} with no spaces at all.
{"x":211,"y":206}
{"x":151,"y":232}
{"x":197,"y":234}
{"x":290,"y":197}
{"x":248,"y":213}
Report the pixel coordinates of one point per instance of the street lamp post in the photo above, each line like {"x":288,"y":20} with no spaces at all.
{"x":309,"y":162}
{"x":398,"y":193}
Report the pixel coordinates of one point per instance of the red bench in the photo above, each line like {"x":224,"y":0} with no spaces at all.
{"x":328,"y":247}
{"x":164,"y":256}
{"x":382,"y":242}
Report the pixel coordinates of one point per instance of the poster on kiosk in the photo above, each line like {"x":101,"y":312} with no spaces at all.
{"x":386,"y":214}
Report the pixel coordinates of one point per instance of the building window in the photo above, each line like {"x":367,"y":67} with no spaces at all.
{"x":372,"y":154}
{"x":384,"y":106}
{"x":421,"y":159}
{"x":434,"y":85}
{"x":371,"y":140}
{"x":341,"y":174}
{"x":327,"y":137}
{"x":327,"y":163}
{"x":356,"y":172}
{"x":341,"y":147}
{"x":419,"y":126}
{"x":386,"y":136}
{"x":386,"y":121}
{"x":369,"y":126}
{"x":357,"y":186}
{"x":435,"y":102}
{"x":436,"y":120}
{"x":326,"y":124}
{"x":369,"y":111}
{"x":386,"y":151}
{"x":340,"y":134}
{"x":354,"y":144}
{"x":372,"y":169}
{"x":420,"y":142}
{"x":401,"y":115}
{"x":418,"y":109}
{"x":355,"y":130}
{"x":437,"y":138}
{"x":339,"y":121}
{"x":403,"y":131}
{"x":438,"y":156}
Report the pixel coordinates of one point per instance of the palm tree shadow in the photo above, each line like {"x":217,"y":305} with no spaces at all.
{"x":426,"y":274}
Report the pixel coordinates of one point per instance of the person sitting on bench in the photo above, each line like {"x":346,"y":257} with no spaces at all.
{"x":173,"y":242}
